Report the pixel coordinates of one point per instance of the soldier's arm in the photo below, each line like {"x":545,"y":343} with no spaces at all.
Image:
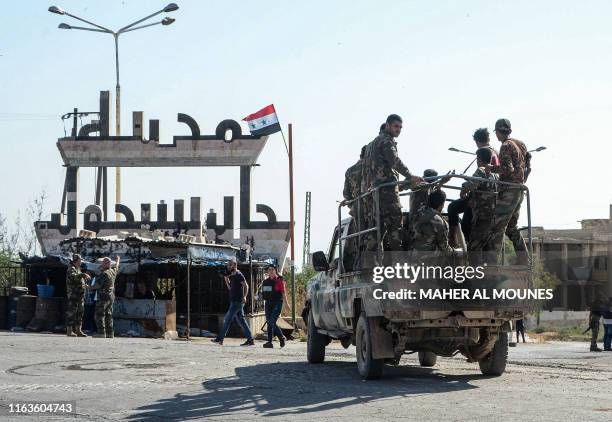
{"x":506,"y":167}
{"x":100,"y":282}
{"x":391,"y":157}
{"x":441,"y":230}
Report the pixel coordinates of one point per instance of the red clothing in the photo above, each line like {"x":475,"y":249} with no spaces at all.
{"x":279,"y":284}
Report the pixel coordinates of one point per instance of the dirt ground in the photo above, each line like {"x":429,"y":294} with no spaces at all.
{"x":162,"y":380}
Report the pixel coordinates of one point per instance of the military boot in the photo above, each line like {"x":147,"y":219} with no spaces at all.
{"x":69,"y":332}
{"x":594,"y":348}
{"x":79,"y":332}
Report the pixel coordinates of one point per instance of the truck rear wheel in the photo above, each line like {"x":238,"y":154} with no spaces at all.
{"x":427,"y":358}
{"x":495,"y":362}
{"x":316,"y":342}
{"x":369,"y":368}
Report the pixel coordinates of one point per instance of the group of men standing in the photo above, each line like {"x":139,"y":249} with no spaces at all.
{"x":104,"y":285}
{"x":493,"y":208}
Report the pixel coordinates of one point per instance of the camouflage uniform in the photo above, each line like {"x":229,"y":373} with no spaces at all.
{"x":430,"y":231}
{"x":594,"y":318}
{"x":352,"y":190}
{"x":382,"y":165}
{"x":418,"y":199}
{"x":105,"y":284}
{"x":482,"y":202}
{"x":75,"y":293}
{"x":513,"y":157}
{"x":352,"y":186}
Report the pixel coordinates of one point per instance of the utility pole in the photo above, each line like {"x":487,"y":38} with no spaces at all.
{"x":292,"y":224}
{"x":306,"y":248}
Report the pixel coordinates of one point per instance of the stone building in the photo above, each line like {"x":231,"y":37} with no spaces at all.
{"x":580,"y":258}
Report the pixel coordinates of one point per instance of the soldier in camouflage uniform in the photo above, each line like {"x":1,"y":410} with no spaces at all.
{"x":105,"y":285}
{"x":75,"y":290}
{"x":482,"y":202}
{"x":418,"y":198}
{"x":382,"y":165}
{"x":351,"y":191}
{"x":514,"y":166}
{"x":431,"y":230}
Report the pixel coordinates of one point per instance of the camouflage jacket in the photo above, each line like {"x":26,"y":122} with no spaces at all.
{"x":483,"y":195}
{"x":514,"y":160}
{"x":105,"y":284}
{"x":430,"y":231}
{"x":352,"y":181}
{"x":418,"y":198}
{"x":74,"y":283}
{"x":381,"y":162}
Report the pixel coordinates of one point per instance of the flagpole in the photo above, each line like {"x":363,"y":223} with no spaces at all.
{"x":291,"y":223}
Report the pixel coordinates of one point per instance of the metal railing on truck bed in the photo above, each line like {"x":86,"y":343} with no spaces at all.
{"x":431,"y":182}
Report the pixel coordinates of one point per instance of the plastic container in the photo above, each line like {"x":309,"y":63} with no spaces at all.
{"x":45,"y":291}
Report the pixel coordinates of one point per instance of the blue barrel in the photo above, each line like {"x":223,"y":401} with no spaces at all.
{"x":45,"y":291}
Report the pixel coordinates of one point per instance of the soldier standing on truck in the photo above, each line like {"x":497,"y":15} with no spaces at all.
{"x":352,"y":184}
{"x":482,"y":198}
{"x":514,"y":167}
{"x":75,"y":289}
{"x":431,"y":230}
{"x":382,"y":165}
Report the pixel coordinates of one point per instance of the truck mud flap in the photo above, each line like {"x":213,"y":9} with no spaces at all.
{"x":382,"y":341}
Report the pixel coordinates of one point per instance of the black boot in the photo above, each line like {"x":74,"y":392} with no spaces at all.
{"x":249,"y":342}
{"x":268,"y":345}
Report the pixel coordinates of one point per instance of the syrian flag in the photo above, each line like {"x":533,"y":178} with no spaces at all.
{"x":264,"y":122}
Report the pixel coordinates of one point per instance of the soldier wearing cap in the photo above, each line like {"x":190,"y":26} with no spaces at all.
{"x":382,"y":165}
{"x":105,"y":285}
{"x":514,"y":167}
{"x":75,"y":291}
{"x":430,"y":229}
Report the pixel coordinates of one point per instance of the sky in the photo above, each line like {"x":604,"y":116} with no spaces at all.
{"x":333,"y":69}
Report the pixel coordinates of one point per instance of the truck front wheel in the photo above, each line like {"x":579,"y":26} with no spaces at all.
{"x":316,"y":342}
{"x":427,"y":358}
{"x":495,"y":362}
{"x":369,"y":368}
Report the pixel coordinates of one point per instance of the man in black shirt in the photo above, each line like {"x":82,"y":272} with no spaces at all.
{"x":239,"y":289}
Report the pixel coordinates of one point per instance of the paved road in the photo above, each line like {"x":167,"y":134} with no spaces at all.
{"x":158,"y":380}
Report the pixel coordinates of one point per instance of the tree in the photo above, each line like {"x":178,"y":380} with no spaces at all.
{"x":542,"y":279}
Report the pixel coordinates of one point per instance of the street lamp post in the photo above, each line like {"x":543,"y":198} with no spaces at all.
{"x":131,"y":27}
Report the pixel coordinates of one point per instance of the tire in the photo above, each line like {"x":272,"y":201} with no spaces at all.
{"x":369,"y":368}
{"x":427,"y":358}
{"x":494,"y":364}
{"x":316,"y":342}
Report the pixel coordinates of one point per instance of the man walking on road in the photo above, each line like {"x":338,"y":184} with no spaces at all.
{"x":239,"y":289}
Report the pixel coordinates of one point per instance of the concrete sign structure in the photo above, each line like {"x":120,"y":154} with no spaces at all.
{"x":268,"y":238}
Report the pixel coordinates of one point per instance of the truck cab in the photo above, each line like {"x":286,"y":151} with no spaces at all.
{"x":388,"y":316}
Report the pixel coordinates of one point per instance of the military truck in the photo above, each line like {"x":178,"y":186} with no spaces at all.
{"x":341,"y":304}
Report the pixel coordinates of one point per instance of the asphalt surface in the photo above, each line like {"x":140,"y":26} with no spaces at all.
{"x":164,"y":380}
